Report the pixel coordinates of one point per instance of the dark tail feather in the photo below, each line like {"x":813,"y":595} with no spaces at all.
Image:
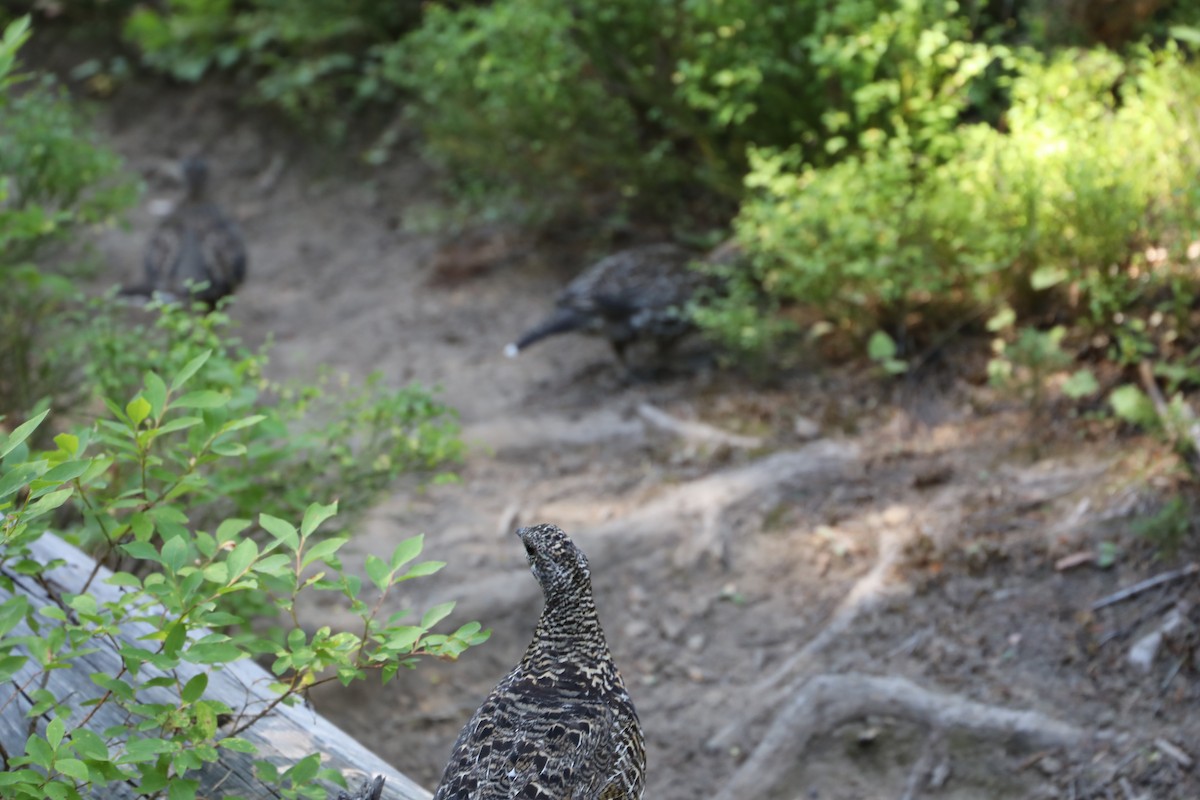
{"x":564,"y":320}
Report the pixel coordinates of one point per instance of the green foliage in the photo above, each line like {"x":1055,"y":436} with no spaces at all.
{"x":1093,"y":171}
{"x":55,"y":181}
{"x":306,"y":440}
{"x":136,"y":474}
{"x":1169,"y":526}
{"x":315,"y":59}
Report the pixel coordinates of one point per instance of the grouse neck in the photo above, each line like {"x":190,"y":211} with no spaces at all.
{"x":570,"y":623}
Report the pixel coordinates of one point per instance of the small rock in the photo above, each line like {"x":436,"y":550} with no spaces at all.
{"x":696,"y":642}
{"x":636,"y":628}
{"x":1050,"y":765}
{"x":805,"y":428}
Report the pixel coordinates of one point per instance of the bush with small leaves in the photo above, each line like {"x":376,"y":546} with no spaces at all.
{"x":135,"y":475}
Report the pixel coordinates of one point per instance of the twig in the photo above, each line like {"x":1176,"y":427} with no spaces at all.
{"x":1146,"y":585}
{"x":1174,"y":752}
{"x":1171,"y":426}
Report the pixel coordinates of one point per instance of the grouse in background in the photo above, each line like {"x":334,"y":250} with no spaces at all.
{"x":561,"y":724}
{"x":196,"y":250}
{"x":636,"y":294}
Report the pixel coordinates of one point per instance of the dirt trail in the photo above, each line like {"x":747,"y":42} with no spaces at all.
{"x":729,"y":584}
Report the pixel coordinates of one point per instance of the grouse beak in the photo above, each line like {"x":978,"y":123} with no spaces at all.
{"x":511,"y":350}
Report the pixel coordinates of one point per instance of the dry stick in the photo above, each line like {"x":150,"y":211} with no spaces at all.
{"x":827,"y":701}
{"x":1146,"y":585}
{"x":1146,"y":373}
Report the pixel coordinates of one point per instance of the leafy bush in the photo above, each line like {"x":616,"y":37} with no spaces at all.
{"x":55,"y":181}
{"x":136,"y":474}
{"x":316,"y":59}
{"x":1093,"y":171}
{"x":306,"y":441}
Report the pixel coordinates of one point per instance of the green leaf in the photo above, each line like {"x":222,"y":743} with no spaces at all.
{"x":436,"y":614}
{"x":1045,"y":277}
{"x":155,"y":392}
{"x":174,"y":554}
{"x":193,"y":690}
{"x":881,"y":347}
{"x":304,"y":770}
{"x":72,"y":768}
{"x":11,"y":665}
{"x":1133,"y":406}
{"x":48,"y":502}
{"x":21,"y":434}
{"x":89,"y":744}
{"x":245,"y":422}
{"x":39,"y":751}
{"x":231,"y":528}
{"x":178,"y":424}
{"x":182,"y":789}
{"x":12,"y":611}
{"x":377,"y":571}
{"x":1081,"y":384}
{"x":424,"y":569}
{"x":323,"y":549}
{"x":241,"y":557}
{"x":407,"y":550}
{"x":55,"y":731}
{"x":282,"y":530}
{"x":314,"y":515}
{"x":189,"y":370}
{"x":214,"y":653}
{"x":68,"y":443}
{"x":205,"y":398}
{"x":237,"y":745}
{"x":137,"y":410}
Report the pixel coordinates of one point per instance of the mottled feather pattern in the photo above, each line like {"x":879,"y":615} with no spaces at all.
{"x":639,"y":293}
{"x":560,"y":725}
{"x":196,"y":249}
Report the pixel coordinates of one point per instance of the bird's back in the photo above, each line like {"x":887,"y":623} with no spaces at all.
{"x":196,"y":244}
{"x":560,"y":725}
{"x":648,"y":277}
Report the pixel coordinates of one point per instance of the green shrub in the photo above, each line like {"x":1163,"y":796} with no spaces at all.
{"x":308,"y":440}
{"x":1095,"y":167}
{"x":137,"y":474}
{"x":55,"y":182}
{"x":318,"y":60}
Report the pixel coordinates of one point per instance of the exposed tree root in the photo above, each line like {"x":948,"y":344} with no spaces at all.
{"x":697,"y":433}
{"x":865,"y":593}
{"x":826,"y":701}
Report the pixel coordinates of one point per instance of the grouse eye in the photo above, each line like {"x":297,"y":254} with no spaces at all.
{"x":529,"y":549}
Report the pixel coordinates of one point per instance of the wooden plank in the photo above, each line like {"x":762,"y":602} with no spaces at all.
{"x":283,"y":736}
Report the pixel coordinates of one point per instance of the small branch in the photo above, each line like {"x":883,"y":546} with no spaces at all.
{"x":1171,"y":425}
{"x":1146,"y":585}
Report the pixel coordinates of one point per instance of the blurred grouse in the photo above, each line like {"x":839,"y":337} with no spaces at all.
{"x":560,"y":726}
{"x":640,"y":293}
{"x":196,"y":249}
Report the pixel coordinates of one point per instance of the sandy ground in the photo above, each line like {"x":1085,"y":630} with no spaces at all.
{"x":905,"y":532}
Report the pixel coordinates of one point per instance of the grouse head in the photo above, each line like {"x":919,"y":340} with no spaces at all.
{"x":559,"y":566}
{"x":194,"y":170}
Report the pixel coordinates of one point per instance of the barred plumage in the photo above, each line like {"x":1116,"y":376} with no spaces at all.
{"x":196,"y":250}
{"x":640,"y":293}
{"x":561,"y":725}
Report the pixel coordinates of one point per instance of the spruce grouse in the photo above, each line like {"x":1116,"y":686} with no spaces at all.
{"x":196,"y":249}
{"x":636,"y":294}
{"x":560,"y":726}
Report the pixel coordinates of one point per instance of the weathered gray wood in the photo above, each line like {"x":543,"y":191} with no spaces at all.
{"x":283,"y":736}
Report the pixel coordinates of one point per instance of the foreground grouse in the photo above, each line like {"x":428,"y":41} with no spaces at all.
{"x":636,"y":294}
{"x":196,"y":250}
{"x":560,"y":726}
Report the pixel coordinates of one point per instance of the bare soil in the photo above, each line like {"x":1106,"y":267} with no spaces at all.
{"x":866,"y":605}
